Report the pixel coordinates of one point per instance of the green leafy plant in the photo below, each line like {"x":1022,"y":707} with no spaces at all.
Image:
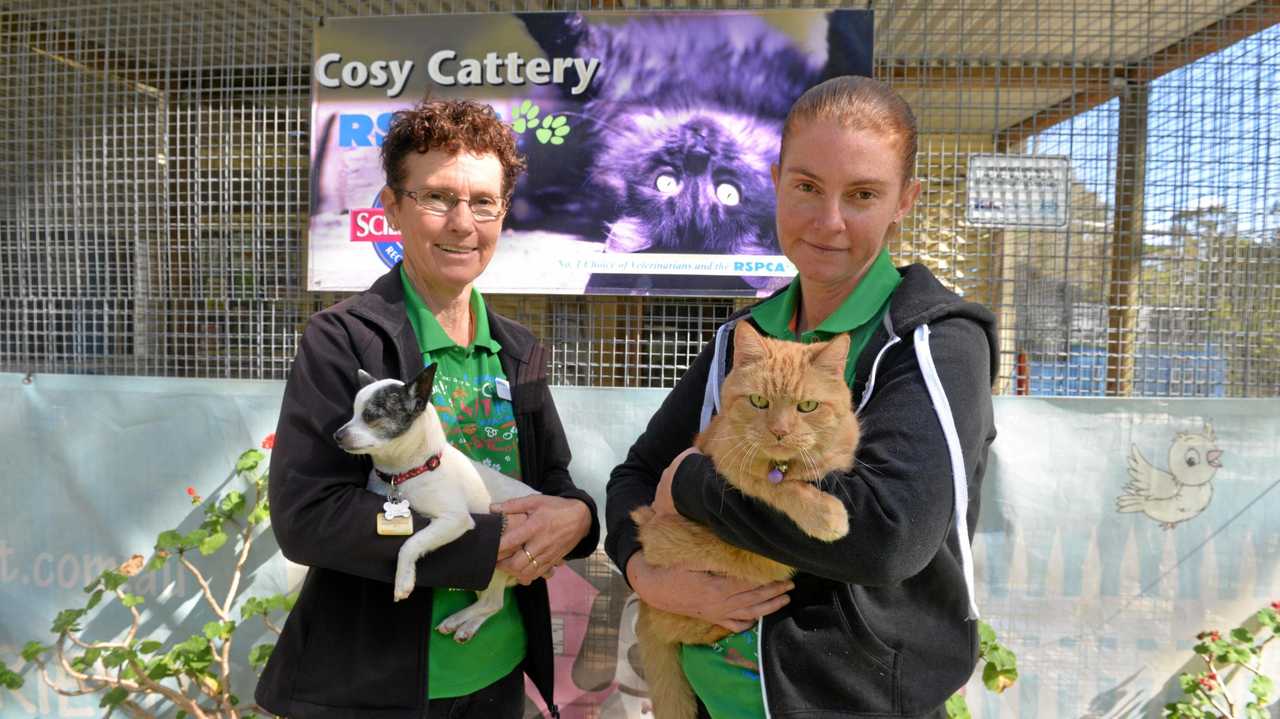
{"x":999,"y":670}
{"x":141,"y":677}
{"x":1214,"y":691}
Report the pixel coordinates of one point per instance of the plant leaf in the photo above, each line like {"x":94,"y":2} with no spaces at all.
{"x":232,"y":504}
{"x":260,"y":513}
{"x":161,"y":668}
{"x":32,"y":651}
{"x":8,"y":679}
{"x":219,"y":630}
{"x":249,"y":460}
{"x":1001,"y":658}
{"x":996,"y":679}
{"x":212,"y":543}
{"x":66,"y":621}
{"x":194,"y":644}
{"x":115,"y":658}
{"x":986,"y":635}
{"x":113,"y":580}
{"x":1261,"y":687}
{"x":194,"y":538}
{"x":258,"y":655}
{"x":169,"y":539}
{"x":957,"y":707}
{"x":114,"y":697}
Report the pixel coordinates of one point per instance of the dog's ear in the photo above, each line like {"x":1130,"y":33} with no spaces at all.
{"x":420,"y":388}
{"x":364,"y":378}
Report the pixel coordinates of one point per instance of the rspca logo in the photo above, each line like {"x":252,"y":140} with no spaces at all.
{"x":369,"y":224}
{"x":750,"y":268}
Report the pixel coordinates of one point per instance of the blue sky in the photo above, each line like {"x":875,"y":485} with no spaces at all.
{"x":1213,"y":139}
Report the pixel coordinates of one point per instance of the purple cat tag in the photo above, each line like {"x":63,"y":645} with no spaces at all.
{"x":775,"y":476}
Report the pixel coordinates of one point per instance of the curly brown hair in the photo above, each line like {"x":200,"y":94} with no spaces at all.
{"x":452,"y":126}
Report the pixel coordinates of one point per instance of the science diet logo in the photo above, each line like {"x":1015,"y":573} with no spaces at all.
{"x":369,"y":224}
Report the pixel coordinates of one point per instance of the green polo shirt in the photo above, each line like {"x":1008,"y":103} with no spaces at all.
{"x":859,"y":315}
{"x":481,"y":424}
{"x":726,"y":675}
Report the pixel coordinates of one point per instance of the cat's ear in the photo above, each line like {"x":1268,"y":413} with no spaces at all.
{"x":830,"y":356}
{"x":748,"y":345}
{"x":364,"y":378}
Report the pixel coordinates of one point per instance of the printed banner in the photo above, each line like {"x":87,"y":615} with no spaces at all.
{"x":649,"y":140}
{"x":1098,"y":583}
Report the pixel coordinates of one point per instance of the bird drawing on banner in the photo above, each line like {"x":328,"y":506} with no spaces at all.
{"x":1181,"y":493}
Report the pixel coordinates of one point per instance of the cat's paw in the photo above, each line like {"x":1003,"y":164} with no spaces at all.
{"x":831,"y":519}
{"x":406,"y":576}
{"x":526,"y":117}
{"x":553,"y":130}
{"x":642,"y":515}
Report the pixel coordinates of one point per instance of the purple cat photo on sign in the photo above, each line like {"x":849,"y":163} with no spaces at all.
{"x":649,"y":140}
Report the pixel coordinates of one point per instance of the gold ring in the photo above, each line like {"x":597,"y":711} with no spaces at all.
{"x":532,"y":561}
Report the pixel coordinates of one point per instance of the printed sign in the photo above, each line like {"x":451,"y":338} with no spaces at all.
{"x":1017,"y":191}
{"x":649,"y":140}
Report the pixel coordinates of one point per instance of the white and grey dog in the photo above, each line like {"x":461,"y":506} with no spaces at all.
{"x":397,"y":426}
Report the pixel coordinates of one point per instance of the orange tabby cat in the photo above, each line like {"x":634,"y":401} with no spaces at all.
{"x":786,"y":421}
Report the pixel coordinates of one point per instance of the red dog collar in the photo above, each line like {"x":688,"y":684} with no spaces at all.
{"x":432,"y":463}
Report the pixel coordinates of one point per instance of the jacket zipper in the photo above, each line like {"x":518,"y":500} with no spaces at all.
{"x":871,"y":381}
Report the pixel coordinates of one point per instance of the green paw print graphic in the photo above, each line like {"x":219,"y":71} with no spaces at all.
{"x":526,"y":116}
{"x":549,"y":129}
{"x":553,"y":130}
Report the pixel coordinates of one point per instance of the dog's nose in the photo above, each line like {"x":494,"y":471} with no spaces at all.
{"x":337,"y":436}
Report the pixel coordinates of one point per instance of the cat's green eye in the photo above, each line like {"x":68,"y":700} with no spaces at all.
{"x":758,"y":402}
{"x":808,"y":405}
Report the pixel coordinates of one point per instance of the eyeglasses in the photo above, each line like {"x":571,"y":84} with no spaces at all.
{"x":440,"y":202}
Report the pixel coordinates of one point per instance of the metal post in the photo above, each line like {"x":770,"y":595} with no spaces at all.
{"x":1126,"y":246}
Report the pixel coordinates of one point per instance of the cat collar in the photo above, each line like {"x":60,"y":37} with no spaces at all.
{"x":432,"y":463}
{"x":777,"y":471}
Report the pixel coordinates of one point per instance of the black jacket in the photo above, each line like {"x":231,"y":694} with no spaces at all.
{"x":877,"y":624}
{"x":348,"y":650}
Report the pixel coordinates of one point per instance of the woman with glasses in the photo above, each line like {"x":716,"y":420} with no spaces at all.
{"x":347,"y":649}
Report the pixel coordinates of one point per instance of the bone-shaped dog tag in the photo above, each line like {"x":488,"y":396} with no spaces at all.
{"x":395,"y":521}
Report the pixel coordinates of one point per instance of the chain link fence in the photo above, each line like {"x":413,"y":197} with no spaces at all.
{"x":154,"y":164}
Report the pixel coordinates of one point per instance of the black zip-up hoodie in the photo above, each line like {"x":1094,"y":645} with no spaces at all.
{"x":878,"y":624}
{"x":347,"y":649}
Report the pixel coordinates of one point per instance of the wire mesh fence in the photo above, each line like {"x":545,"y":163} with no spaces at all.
{"x":154,"y":164}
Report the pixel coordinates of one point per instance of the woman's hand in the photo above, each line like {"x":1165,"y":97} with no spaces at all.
{"x":734,"y":604}
{"x":663,"y":503}
{"x":540,"y":530}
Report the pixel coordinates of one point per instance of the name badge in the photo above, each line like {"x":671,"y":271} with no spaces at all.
{"x":504,"y":389}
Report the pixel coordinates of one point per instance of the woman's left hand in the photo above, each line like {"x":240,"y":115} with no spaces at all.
{"x":534,"y":547}
{"x":663,"y":503}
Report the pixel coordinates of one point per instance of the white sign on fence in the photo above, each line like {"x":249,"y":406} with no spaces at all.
{"x":1018,"y":191}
